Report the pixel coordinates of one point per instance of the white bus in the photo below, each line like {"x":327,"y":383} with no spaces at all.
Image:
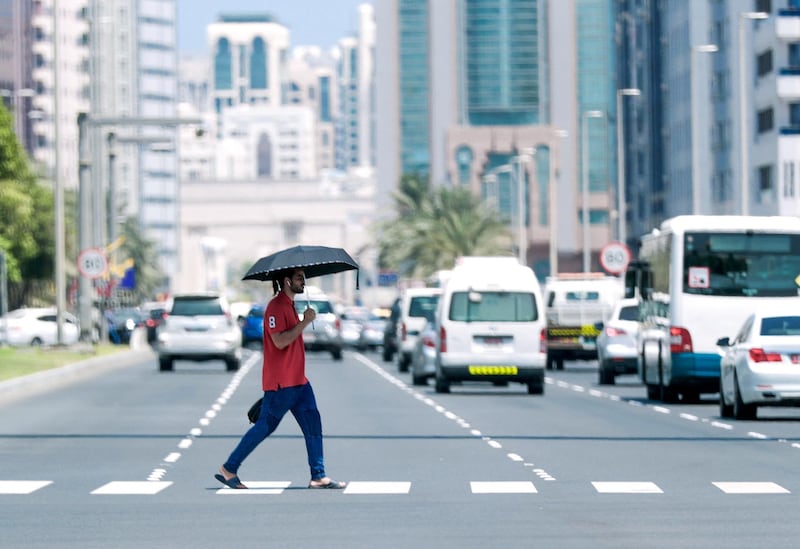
{"x":698,"y":278}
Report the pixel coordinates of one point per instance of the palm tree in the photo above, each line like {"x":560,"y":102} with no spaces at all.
{"x":434,"y":228}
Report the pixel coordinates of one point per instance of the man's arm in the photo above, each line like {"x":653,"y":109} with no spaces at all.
{"x":283,"y":339}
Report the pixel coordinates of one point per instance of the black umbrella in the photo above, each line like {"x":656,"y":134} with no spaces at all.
{"x":314,"y":260}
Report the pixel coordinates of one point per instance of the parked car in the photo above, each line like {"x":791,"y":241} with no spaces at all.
{"x":155,"y":314}
{"x":372,"y":333}
{"x":324,"y":334}
{"x":390,"y":332}
{"x":122,"y":322}
{"x":253,"y":325}
{"x":37,"y":326}
{"x":761,"y":365}
{"x":199,"y":327}
{"x":417,"y":306}
{"x":617,"y":351}
{"x":423,"y":357}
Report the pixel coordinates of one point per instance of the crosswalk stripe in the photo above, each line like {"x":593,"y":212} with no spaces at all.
{"x":524,"y":487}
{"x":627,"y":488}
{"x":257,"y":487}
{"x":751,"y":488}
{"x":22,"y":486}
{"x":120,"y":487}
{"x":358,"y":487}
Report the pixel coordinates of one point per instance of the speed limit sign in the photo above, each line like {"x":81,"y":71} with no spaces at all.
{"x":615,"y":257}
{"x":92,"y":263}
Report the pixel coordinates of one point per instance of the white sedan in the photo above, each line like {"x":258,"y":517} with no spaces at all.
{"x":761,"y":365}
{"x":37,"y":326}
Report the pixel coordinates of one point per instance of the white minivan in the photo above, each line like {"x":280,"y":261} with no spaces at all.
{"x":491,"y":324}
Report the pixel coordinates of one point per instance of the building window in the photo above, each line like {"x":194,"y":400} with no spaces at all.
{"x":264,"y":156}
{"x":766,"y":120}
{"x":764,"y":63}
{"x":464,"y":158}
{"x":258,"y":65}
{"x":794,"y":114}
{"x":765,"y":179}
{"x":223,"y":79}
{"x":764,"y":5}
{"x":788,"y":179}
{"x":794,"y":54}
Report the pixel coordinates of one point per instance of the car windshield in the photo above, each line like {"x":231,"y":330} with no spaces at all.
{"x":493,"y":307}
{"x":780,"y":326}
{"x":423,"y":306}
{"x":197,"y":307}
{"x":629,"y":313}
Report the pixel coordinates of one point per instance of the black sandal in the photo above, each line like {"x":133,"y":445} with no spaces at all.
{"x":330,"y":485}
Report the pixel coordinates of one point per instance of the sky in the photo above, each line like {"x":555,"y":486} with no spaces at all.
{"x":310,"y":22}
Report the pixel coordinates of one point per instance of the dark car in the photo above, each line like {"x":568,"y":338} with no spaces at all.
{"x":121,"y":323}
{"x":253,"y":325}
{"x":155,"y":316}
{"x":390,"y":332}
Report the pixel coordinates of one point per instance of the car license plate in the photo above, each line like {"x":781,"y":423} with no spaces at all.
{"x":492,"y":370}
{"x":493,"y":341}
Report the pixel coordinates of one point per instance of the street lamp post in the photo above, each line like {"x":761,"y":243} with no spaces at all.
{"x":743,"y":134}
{"x":585,"y":180}
{"x":695,"y":123}
{"x":621,"y":199}
{"x":87,"y":200}
{"x":522,"y":240}
{"x":552,"y":201}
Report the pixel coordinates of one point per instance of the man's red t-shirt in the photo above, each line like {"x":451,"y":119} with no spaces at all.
{"x":282,"y":367}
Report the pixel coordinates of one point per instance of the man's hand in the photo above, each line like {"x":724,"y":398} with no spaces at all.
{"x":309,"y":315}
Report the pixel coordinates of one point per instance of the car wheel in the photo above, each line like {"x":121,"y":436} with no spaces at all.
{"x":725,"y":410}
{"x":442,"y":385}
{"x":606,"y":375}
{"x":559,"y":363}
{"x":536,"y":388}
{"x":740,"y":409}
{"x":36,"y":342}
{"x":165,"y":364}
{"x":419,"y":380}
{"x":336,"y":353}
{"x":402,"y":362}
{"x":232,"y":364}
{"x":653,"y":392}
{"x":387,"y":355}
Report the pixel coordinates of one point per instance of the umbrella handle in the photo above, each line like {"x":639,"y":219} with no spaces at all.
{"x":308,"y":304}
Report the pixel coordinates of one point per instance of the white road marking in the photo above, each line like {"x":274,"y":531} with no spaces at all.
{"x":185,"y":443}
{"x":757,"y":435}
{"x":721,"y":425}
{"x":257,"y":487}
{"x":627,"y":488}
{"x":690,"y":417}
{"x":515,"y":457}
{"x":751,"y":488}
{"x":173,"y":457}
{"x":22,"y":486}
{"x":360,"y":487}
{"x":121,"y":487}
{"x":661,"y":410}
{"x":499,"y":487}
{"x":494,"y":444}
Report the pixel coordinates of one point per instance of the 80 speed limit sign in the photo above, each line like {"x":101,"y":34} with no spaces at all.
{"x":92,"y":263}
{"x":615,"y":257}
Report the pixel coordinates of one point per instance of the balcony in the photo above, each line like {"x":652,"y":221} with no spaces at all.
{"x":789,"y":83}
{"x":787,"y":26}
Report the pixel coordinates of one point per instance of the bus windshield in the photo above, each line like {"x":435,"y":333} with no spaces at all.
{"x":741,"y":264}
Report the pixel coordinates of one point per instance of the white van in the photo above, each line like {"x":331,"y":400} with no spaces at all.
{"x":417,"y":307}
{"x":491,"y":322}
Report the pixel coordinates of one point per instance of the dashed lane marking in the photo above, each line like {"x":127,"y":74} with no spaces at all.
{"x":502,"y":487}
{"x":22,"y":486}
{"x":120,"y":487}
{"x":751,"y":488}
{"x":627,"y":488}
{"x":360,"y":487}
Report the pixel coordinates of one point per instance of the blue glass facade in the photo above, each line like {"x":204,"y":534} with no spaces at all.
{"x":258,"y":65}
{"x":223,"y":79}
{"x":501,"y":62}
{"x":414,"y":87}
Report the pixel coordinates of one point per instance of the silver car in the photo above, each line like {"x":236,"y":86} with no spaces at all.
{"x":199,"y":327}
{"x":423,"y":357}
{"x":617,"y":352}
{"x":325,"y":333}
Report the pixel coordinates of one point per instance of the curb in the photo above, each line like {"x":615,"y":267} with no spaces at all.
{"x":39,"y":382}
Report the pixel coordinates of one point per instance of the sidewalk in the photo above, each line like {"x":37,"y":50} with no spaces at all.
{"x":25,"y":386}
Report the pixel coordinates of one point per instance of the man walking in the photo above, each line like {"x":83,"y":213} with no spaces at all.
{"x":285,"y":386}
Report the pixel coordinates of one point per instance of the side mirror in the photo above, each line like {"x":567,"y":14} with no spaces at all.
{"x":724,"y":342}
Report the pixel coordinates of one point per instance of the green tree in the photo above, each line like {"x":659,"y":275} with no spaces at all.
{"x":434,"y":227}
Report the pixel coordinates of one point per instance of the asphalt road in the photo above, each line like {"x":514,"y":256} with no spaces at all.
{"x":126,"y":457}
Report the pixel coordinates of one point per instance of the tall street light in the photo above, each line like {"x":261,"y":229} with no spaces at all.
{"x":743,"y":137}
{"x":491,"y":179}
{"x":522,"y":241}
{"x":552,"y":201}
{"x":695,"y":123}
{"x":621,"y":200}
{"x":585,"y":180}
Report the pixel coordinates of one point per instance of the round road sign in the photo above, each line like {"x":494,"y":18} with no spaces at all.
{"x":92,"y":263}
{"x":615,"y":257}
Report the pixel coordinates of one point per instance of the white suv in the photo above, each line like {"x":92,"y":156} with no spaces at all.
{"x":199,"y":327}
{"x":417,"y":307}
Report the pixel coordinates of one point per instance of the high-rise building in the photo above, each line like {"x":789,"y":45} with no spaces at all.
{"x":16,"y":65}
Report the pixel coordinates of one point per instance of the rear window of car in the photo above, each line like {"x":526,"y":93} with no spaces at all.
{"x":423,"y":306}
{"x":322,"y":307}
{"x":256,"y":312}
{"x":629,"y":313}
{"x":493,"y":307}
{"x":200,"y":306}
{"x":780,"y":326}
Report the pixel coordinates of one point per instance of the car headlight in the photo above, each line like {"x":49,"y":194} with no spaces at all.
{"x":130,"y":324}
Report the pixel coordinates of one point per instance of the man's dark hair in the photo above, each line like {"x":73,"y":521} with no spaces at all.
{"x":277,"y":281}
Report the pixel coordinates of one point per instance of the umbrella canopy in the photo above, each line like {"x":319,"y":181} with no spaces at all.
{"x":314,"y":260}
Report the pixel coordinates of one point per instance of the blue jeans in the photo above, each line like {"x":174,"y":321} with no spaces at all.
{"x":301,"y":402}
